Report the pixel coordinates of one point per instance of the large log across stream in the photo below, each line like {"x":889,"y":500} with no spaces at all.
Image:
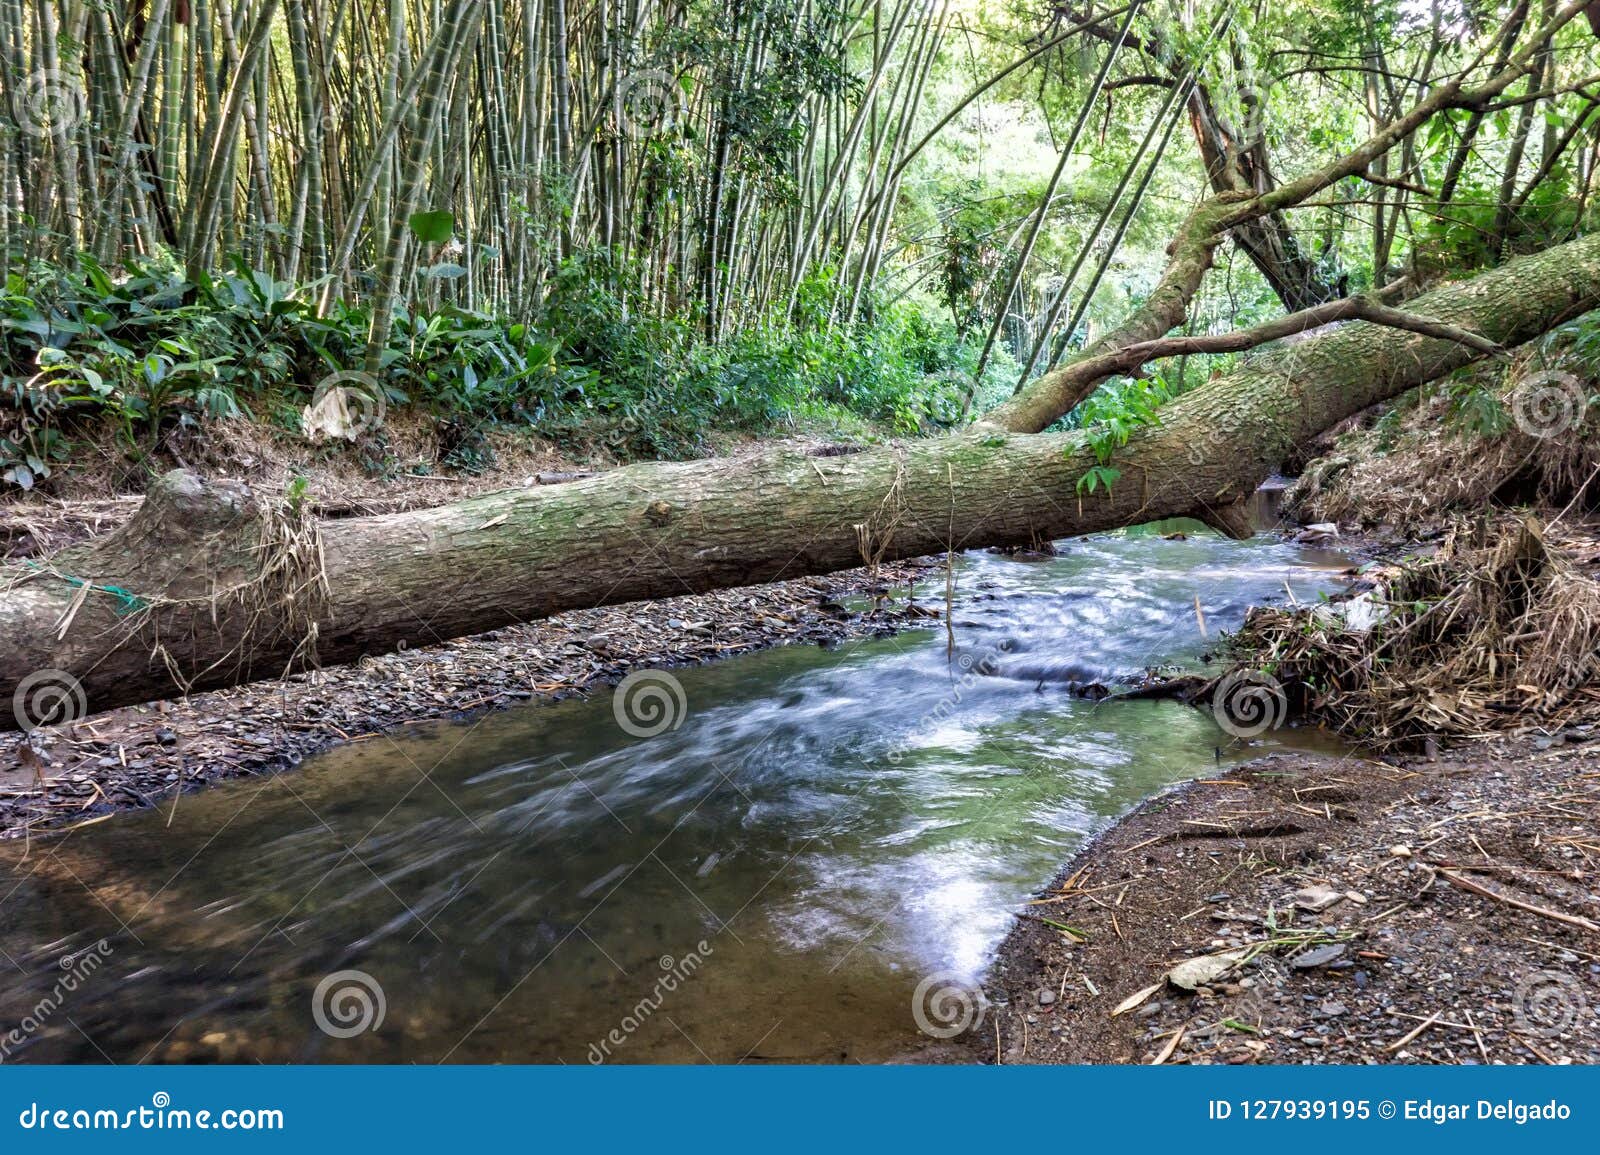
{"x":212,"y":584}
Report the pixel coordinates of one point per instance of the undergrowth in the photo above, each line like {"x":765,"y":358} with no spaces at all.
{"x":1495,"y":630}
{"x":143,"y":352}
{"x":1517,"y":433}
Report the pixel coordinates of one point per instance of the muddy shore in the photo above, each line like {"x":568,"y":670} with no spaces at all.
{"x":1355,"y":910}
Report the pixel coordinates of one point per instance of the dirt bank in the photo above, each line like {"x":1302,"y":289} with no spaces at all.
{"x":1348,"y":911}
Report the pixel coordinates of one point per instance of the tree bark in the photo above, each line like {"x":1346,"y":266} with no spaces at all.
{"x":209,"y":586}
{"x":1235,"y":165}
{"x":1045,"y":399}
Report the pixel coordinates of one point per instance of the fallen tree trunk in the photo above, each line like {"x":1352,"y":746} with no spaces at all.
{"x":209,"y":585}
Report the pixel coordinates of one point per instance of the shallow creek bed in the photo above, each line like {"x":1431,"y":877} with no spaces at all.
{"x":134,"y":758}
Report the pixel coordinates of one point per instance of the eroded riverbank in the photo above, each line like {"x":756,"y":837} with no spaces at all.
{"x":1349,"y":910}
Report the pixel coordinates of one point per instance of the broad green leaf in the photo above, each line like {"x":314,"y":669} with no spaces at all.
{"x":433,"y":228}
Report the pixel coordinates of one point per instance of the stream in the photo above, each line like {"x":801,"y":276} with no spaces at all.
{"x":810,"y":835}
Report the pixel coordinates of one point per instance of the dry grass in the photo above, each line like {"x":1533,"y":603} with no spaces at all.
{"x":1425,"y":468}
{"x":1496,"y":630}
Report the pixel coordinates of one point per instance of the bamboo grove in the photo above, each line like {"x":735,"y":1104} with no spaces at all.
{"x":419,"y":152}
{"x":724,"y":149}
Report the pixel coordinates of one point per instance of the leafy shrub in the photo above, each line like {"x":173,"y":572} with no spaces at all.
{"x":146,"y":350}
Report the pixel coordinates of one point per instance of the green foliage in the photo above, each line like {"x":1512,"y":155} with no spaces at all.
{"x":31,"y":455}
{"x":1109,"y":416}
{"x":1475,"y":409}
{"x":145,"y":351}
{"x":665,"y":387}
{"x":432,"y":228}
{"x":1463,"y":239}
{"x":1095,"y":475}
{"x":1577,"y":343}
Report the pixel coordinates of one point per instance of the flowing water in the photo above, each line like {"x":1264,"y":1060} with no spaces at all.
{"x":770,"y":880}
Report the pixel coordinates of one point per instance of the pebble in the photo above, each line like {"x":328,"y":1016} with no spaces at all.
{"x":1319,"y":956}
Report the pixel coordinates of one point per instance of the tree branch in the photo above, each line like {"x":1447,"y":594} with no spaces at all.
{"x":1347,"y":309}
